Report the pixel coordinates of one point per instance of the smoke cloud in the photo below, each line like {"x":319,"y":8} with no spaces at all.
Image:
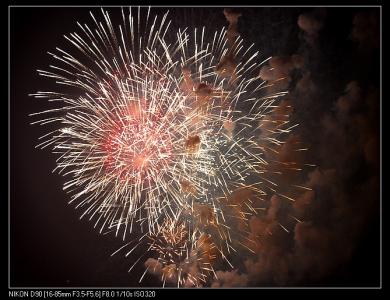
{"x":342,"y":195}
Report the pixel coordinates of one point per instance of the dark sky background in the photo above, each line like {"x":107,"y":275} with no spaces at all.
{"x":50,"y":246}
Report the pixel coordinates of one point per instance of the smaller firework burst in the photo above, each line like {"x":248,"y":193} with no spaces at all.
{"x":184,"y":256}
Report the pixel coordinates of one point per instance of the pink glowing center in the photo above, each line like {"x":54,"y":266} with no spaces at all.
{"x":138,"y":147}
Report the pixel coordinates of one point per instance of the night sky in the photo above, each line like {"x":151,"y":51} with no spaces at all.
{"x":336,"y":101}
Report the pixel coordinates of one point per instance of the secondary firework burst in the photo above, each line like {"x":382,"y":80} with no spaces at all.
{"x":158,"y":133}
{"x":185,"y":254}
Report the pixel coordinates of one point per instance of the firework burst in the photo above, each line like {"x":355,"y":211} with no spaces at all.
{"x":160,"y":134}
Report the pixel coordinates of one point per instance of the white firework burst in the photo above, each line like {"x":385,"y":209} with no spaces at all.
{"x":151,"y":129}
